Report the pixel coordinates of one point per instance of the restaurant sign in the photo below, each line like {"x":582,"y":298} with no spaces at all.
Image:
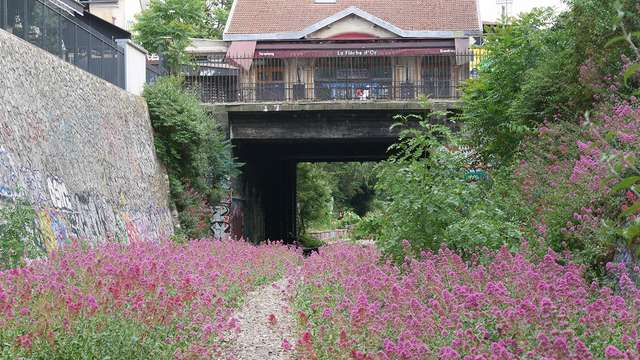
{"x":327,"y":53}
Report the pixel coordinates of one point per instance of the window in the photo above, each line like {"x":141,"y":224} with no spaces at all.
{"x":436,"y":74}
{"x":68,"y":42}
{"x":15,"y":17}
{"x":34,"y":24}
{"x":82,"y":52}
{"x":51,"y":39}
{"x":95,"y":56}
{"x":3,"y":12}
{"x":270,"y":70}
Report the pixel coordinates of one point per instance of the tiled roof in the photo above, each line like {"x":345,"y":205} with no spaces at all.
{"x":285,"y":16}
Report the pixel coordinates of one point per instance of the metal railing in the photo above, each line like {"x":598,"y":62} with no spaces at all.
{"x":60,"y":33}
{"x":154,"y":71}
{"x":220,"y":79}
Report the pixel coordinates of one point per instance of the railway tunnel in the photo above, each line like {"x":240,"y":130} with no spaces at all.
{"x":271,"y":139}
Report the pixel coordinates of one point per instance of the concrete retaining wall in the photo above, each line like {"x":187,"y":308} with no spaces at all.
{"x":79,"y":149}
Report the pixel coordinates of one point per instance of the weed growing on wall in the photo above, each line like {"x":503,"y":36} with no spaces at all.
{"x":16,"y":233}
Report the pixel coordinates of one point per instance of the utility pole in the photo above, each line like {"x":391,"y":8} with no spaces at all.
{"x":506,"y":8}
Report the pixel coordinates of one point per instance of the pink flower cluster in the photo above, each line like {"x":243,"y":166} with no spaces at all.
{"x":193,"y":289}
{"x":570,"y":170}
{"x":354,"y":306}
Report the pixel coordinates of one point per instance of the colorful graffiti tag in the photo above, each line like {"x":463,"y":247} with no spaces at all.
{"x":52,"y":229}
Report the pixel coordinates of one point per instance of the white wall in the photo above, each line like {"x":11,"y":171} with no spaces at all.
{"x":351,"y":24}
{"x":122,"y":14}
{"x":135,"y":66}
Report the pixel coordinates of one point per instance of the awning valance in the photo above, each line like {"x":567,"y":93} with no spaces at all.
{"x":282,"y":54}
{"x":354,"y":49}
{"x":241,"y":53}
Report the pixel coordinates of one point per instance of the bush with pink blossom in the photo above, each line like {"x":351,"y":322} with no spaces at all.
{"x":569,"y":175}
{"x":139,"y":301}
{"x":353,"y":306}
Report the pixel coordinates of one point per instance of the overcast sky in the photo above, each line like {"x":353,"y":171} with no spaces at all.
{"x":490,"y":11}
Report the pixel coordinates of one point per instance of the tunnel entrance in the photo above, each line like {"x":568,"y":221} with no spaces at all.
{"x":268,"y":182}
{"x":271,"y":140}
{"x":331,"y":199}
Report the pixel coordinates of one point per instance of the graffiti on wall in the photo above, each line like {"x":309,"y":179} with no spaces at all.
{"x":7,"y":174}
{"x":52,"y":229}
{"x":221,"y":223}
{"x":228,"y":219}
{"x":62,"y":216}
{"x":59,"y":194}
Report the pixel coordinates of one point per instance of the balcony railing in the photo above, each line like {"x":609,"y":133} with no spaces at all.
{"x":60,"y":33}
{"x":220,"y":79}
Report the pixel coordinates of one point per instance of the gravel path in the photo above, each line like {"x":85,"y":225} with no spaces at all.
{"x":265,"y":322}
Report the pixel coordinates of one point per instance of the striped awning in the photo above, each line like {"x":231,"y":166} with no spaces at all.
{"x":241,"y":53}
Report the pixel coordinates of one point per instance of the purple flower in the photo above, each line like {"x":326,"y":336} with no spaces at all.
{"x":612,"y":352}
{"x":448,"y":353}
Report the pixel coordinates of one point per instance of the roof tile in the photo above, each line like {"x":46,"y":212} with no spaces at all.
{"x":276,"y":16}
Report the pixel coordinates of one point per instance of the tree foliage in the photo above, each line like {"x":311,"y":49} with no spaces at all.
{"x":217,"y":16}
{"x":430,"y":201}
{"x":531,"y":73}
{"x":314,"y":197}
{"x":167,"y":27}
{"x":528,"y":76}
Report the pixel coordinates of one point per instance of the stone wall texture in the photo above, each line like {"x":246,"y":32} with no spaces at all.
{"x":79,"y":149}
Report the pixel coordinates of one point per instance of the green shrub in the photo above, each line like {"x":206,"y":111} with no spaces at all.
{"x":529,"y":75}
{"x":370,"y":226}
{"x":430,"y":200}
{"x":17,"y":236}
{"x":99,"y":337}
{"x":314,"y":198}
{"x":349,"y":218}
{"x":193,"y":149}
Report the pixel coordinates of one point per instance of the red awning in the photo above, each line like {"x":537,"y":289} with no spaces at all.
{"x":241,"y":53}
{"x":354,"y":49}
{"x":299,"y":53}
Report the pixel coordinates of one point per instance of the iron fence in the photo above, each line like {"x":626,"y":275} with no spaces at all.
{"x":60,"y":33}
{"x":220,"y":79}
{"x":154,"y":71}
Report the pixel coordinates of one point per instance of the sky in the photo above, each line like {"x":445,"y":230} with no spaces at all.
{"x":489,"y":11}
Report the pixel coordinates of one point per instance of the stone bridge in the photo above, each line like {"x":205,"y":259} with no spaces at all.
{"x":271,"y":138}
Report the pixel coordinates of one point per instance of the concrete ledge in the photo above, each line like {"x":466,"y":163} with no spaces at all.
{"x":331,"y":105}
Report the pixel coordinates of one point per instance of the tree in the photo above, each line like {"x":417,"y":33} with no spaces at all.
{"x":217,"y":15}
{"x":167,"y":27}
{"x":314,"y":196}
{"x":352,"y":185}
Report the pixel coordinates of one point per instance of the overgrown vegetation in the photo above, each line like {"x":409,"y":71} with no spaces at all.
{"x":17,"y":235}
{"x":136,"y":301}
{"x":314,"y":197}
{"x":554,"y":121}
{"x":194,"y":151}
{"x":334,"y":195}
{"x":429,"y":198}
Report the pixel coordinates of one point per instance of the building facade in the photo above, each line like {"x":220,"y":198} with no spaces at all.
{"x":121,"y":13}
{"x":328,"y":50}
{"x":66,"y":29}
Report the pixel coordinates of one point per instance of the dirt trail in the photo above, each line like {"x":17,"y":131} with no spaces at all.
{"x":265,"y":321}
